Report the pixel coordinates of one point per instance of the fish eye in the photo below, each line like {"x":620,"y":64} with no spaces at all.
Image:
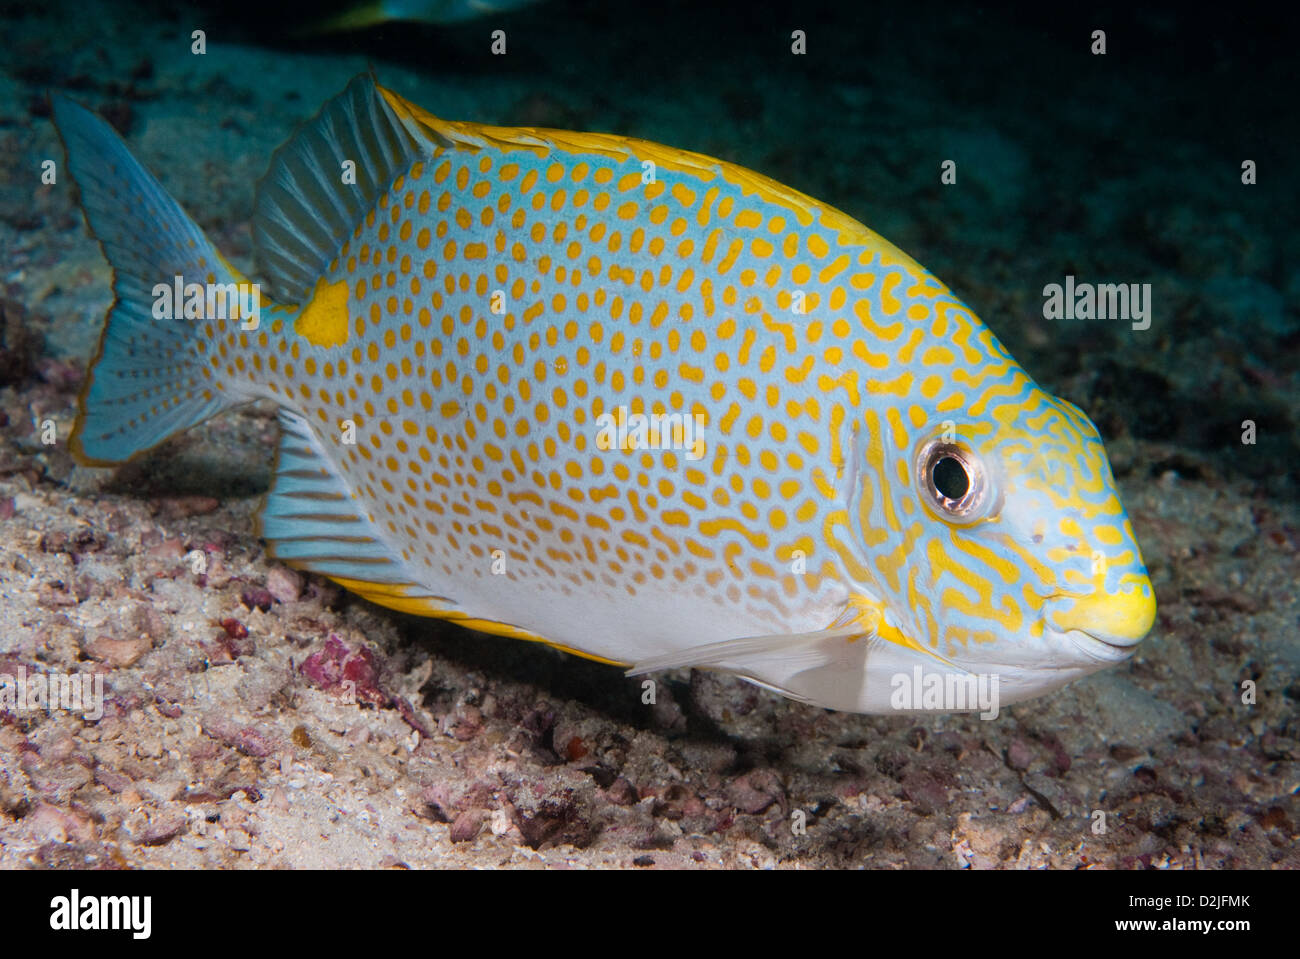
{"x":950,"y":478}
{"x":953,"y":482}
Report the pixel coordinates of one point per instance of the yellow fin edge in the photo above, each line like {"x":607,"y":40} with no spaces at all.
{"x":541,"y":141}
{"x":395,"y":596}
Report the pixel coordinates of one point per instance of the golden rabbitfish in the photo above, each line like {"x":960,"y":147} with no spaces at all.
{"x":638,"y":403}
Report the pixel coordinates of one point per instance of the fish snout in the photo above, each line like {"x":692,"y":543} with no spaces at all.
{"x":1118,"y":619}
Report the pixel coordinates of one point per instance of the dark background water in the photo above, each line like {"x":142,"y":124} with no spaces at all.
{"x":1117,"y":168}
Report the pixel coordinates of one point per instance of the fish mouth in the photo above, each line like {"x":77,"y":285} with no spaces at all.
{"x":1109,"y":623}
{"x":1106,"y":649}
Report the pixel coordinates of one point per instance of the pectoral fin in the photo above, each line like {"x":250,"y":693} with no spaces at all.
{"x":849,"y":665}
{"x":794,"y":652}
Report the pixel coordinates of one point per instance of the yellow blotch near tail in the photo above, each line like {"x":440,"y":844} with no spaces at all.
{"x":324,"y":321}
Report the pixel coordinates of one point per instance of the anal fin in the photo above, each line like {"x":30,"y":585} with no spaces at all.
{"x":312,"y":521}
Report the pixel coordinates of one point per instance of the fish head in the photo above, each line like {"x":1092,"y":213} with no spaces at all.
{"x":1006,"y":550}
{"x":1060,"y":504}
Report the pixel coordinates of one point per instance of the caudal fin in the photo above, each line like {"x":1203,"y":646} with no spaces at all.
{"x":149,"y":379}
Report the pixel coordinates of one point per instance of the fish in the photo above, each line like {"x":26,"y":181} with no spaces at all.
{"x":437,"y":12}
{"x":640,"y":404}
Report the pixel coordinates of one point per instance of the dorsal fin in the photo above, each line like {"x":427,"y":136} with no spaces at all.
{"x":304,"y":211}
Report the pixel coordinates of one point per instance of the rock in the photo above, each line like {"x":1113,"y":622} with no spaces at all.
{"x":249,"y":740}
{"x":118,"y":653}
{"x":1020,"y":755}
{"x":755,"y":791}
{"x":162,"y":829}
{"x":284,"y":584}
{"x":466,"y":826}
{"x":353,"y":672}
{"x":923,"y":789}
{"x":622,"y":793}
{"x":257,"y":598}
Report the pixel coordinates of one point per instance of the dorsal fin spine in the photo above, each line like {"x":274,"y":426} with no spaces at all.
{"x":305,"y":210}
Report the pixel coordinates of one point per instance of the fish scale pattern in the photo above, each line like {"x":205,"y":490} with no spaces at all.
{"x":501,"y":301}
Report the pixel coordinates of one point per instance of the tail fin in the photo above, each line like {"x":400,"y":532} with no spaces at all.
{"x":148,"y":380}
